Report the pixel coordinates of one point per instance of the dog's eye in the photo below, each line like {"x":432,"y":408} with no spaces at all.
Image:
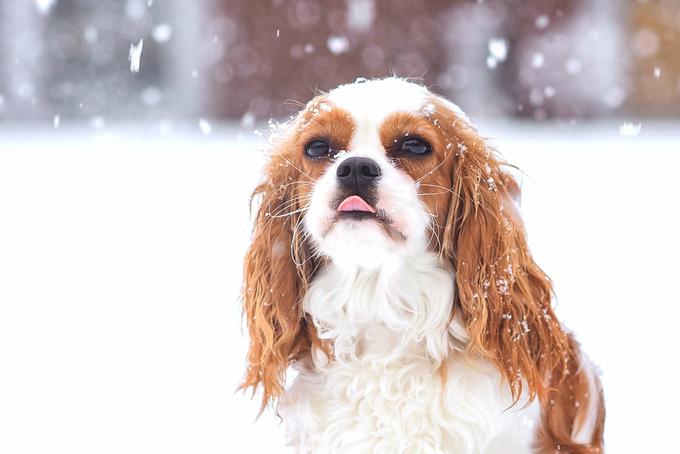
{"x":317,"y":149}
{"x":414,"y":146}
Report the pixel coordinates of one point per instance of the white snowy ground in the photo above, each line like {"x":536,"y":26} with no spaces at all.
{"x":120,"y":264}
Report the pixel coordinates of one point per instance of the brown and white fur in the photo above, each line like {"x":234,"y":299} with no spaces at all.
{"x":409,"y":304}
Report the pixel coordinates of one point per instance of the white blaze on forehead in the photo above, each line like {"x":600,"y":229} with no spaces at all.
{"x":369,"y":102}
{"x":376,"y":99}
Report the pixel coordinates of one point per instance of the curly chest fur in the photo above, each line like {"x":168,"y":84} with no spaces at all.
{"x":399,"y":382}
{"x":372,"y":407}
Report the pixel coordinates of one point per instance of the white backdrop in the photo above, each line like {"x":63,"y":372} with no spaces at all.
{"x":120,"y":266}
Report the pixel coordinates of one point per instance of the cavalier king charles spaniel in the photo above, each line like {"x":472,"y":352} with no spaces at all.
{"x":389,"y":267}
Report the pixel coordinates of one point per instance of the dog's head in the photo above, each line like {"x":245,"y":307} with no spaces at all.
{"x":383,"y":170}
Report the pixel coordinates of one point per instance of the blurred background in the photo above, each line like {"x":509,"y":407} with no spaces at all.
{"x":250,"y":60}
{"x":131,"y":135}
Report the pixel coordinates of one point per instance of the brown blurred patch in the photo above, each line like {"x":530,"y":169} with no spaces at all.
{"x":655,"y":43}
{"x":264,"y":70}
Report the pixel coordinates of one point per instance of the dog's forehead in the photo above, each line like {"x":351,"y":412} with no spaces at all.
{"x":377,"y":99}
{"x":374,"y":100}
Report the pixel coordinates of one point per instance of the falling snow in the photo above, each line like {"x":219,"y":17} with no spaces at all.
{"x":537,"y":60}
{"x":630,"y":129}
{"x":498,"y":48}
{"x":162,"y":33}
{"x":91,"y":34}
{"x":338,"y":44}
{"x":360,"y":14}
{"x":135,"y":9}
{"x":205,"y":127}
{"x":152,"y":96}
{"x":542,"y":22}
{"x":498,"y":52}
{"x":97,"y":122}
{"x":248,"y":120}
{"x":45,"y":6}
{"x":135,"y":56}
{"x":573,"y":66}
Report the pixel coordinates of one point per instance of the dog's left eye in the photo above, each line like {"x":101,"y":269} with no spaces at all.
{"x":414,"y":146}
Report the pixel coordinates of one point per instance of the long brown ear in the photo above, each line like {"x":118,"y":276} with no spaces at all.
{"x":277,"y":269}
{"x":505,"y":298}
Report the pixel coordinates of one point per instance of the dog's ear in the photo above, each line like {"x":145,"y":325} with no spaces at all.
{"x":277,"y":269}
{"x":503,"y":296}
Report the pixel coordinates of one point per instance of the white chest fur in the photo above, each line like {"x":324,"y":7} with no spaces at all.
{"x":386,"y":391}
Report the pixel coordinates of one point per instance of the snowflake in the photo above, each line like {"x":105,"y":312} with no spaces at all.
{"x":498,"y":49}
{"x":503,"y":286}
{"x":630,"y":129}
{"x":487,"y":168}
{"x":338,"y":44}
{"x":542,"y":21}
{"x":462,"y":148}
{"x":429,"y":109}
{"x":509,"y":270}
{"x":44,"y":6}
{"x":525,"y":325}
{"x":162,"y":33}
{"x":135,"y":56}
{"x":206,"y":128}
{"x":573,"y":66}
{"x":537,"y":60}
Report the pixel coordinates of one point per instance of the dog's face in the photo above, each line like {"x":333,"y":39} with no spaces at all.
{"x":380,"y":154}
{"x":385,"y":169}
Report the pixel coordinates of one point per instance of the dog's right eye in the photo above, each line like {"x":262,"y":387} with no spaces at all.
{"x":317,"y":149}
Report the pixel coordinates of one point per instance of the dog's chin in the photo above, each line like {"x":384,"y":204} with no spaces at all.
{"x":360,"y":240}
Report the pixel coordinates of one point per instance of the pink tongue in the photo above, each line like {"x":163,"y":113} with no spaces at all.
{"x":355,"y":203}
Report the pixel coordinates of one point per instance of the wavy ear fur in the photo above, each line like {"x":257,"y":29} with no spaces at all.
{"x":503,"y":295}
{"x":505,"y":298}
{"x":277,"y":269}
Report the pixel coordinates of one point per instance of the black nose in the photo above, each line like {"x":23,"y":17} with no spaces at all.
{"x":357,"y":173}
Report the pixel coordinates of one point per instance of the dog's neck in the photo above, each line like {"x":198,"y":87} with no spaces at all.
{"x":402,"y":308}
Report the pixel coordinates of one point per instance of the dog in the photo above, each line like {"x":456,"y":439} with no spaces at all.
{"x":389,"y":278}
